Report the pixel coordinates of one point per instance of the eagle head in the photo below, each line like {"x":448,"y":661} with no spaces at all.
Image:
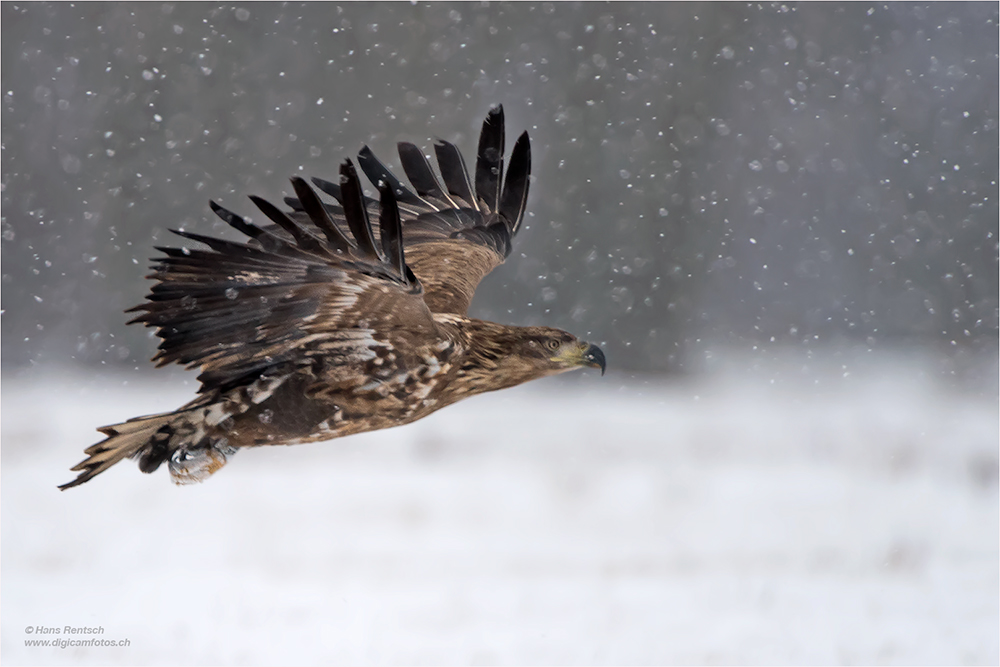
{"x":558,"y":351}
{"x":543,"y":351}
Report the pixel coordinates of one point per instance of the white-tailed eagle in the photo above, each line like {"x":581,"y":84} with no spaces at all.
{"x":317,"y":328}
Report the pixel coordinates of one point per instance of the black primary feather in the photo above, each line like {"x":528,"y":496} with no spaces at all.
{"x":454,"y":173}
{"x":218,"y":245}
{"x":329,"y":188}
{"x":318,"y":213}
{"x":489,"y":160}
{"x":353,"y":201}
{"x":514,"y":198}
{"x":334,"y":191}
{"x":304,"y":239}
{"x":391,"y":229}
{"x":378,"y":172}
{"x":268,"y":241}
{"x":419,"y":171}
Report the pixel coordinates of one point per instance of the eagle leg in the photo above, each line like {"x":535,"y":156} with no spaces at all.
{"x":190,"y":466}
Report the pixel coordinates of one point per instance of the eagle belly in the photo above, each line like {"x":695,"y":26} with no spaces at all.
{"x":329,"y":399}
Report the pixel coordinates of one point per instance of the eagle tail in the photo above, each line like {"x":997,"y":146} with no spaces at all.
{"x":175,"y":436}
{"x":124,"y":440}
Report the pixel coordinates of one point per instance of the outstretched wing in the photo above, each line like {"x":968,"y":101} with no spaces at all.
{"x":309,"y":291}
{"x":456,"y":234}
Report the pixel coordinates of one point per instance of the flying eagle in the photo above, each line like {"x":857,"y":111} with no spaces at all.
{"x":315,"y":329}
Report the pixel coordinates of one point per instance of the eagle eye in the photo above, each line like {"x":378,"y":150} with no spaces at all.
{"x":552,"y":344}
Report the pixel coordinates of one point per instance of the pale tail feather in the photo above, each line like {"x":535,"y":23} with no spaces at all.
{"x":123,"y":441}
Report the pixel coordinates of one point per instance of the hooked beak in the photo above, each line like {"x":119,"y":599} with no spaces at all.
{"x":593,"y":357}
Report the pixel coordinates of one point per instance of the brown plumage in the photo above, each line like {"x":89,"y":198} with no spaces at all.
{"x":315,"y":328}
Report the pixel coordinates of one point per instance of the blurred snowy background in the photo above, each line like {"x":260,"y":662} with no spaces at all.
{"x":780,"y":221}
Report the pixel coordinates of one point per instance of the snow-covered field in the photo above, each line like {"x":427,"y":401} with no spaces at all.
{"x":843,"y":513}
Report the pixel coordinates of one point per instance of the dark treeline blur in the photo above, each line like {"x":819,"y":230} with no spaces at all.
{"x":704,"y":174}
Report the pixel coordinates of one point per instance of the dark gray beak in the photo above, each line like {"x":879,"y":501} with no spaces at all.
{"x":594,"y":358}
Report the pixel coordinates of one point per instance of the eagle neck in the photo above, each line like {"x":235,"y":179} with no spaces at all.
{"x":488,"y":362}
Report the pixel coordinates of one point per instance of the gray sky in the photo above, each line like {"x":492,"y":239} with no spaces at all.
{"x":704,"y":174}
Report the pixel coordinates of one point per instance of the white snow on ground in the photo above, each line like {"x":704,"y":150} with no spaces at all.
{"x":835,"y":514}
